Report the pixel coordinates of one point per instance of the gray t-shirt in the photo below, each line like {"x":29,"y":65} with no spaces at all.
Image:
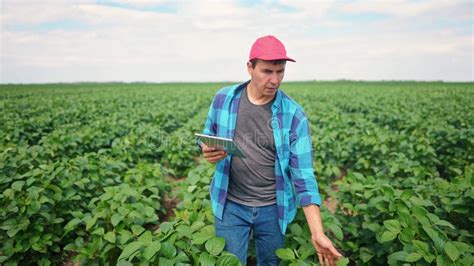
{"x":252,"y":179}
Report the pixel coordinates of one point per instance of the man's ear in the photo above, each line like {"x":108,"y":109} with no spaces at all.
{"x":249,"y":68}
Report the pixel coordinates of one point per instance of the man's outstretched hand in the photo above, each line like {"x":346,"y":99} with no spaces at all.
{"x":327,"y":254}
{"x":211,"y":154}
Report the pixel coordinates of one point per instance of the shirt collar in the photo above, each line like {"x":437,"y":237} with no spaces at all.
{"x":276,"y":103}
{"x":240,"y":87}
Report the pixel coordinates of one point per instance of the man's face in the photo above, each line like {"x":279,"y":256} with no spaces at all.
{"x":266,"y":76}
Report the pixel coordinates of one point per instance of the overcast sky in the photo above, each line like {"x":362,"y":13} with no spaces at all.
{"x":162,"y":41}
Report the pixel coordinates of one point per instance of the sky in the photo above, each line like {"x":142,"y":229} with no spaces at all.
{"x":201,"y":41}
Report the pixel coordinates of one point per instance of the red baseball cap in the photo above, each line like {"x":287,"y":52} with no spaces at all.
{"x":268,"y":48}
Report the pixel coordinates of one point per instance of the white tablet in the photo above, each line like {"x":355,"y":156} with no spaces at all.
{"x":221,"y":144}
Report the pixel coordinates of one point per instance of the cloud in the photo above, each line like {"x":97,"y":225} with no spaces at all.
{"x":405,"y":9}
{"x":210,"y":40}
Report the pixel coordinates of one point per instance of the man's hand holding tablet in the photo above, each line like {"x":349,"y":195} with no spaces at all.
{"x":217,"y":148}
{"x":212,"y":154}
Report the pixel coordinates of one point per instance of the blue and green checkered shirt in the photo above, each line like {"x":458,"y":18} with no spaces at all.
{"x":294,"y":175}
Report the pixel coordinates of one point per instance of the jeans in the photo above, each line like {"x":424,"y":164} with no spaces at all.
{"x":237,"y":222}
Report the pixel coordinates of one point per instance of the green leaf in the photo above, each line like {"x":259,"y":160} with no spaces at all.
{"x":90,"y":222}
{"x":421,"y":215}
{"x":301,"y":241}
{"x":209,"y":229}
{"x":357,"y":187}
{"x":197,"y":225}
{"x":151,"y":250}
{"x":407,"y":193}
{"x":200,"y":238}
{"x":146,"y":238}
{"x":465,"y":260}
{"x":33,"y":192}
{"x":18,"y":185}
{"x":392,"y":225}
{"x":389,"y":236}
{"x":336,"y":171}
{"x":429,"y":257}
{"x":124,"y":263}
{"x":300,"y":263}
{"x":388,"y":191}
{"x":130,"y":249}
{"x":110,"y":236}
{"x":296,"y":229}
{"x":206,"y":260}
{"x":421,"y":246}
{"x":445,"y":223}
{"x":398,"y":256}
{"x":168,"y":250}
{"x":58,"y":220}
{"x":305,"y":251}
{"x":78,"y":214}
{"x":184,"y":230}
{"x":34,"y":207}
{"x":374,"y":227}
{"x":166,"y":262}
{"x":116,"y":218}
{"x":442,"y":260}
{"x":451,"y":251}
{"x":337,"y":232}
{"x":79,"y":241}
{"x":181,"y":257}
{"x":228,"y":260}
{"x":285,"y":254}
{"x":417,"y":201}
{"x":166,"y":227}
{"x":358,"y":176}
{"x":433,"y":218}
{"x":184,"y":245}
{"x":71,"y":225}
{"x":407,"y":235}
{"x":137,"y":229}
{"x":12,"y":232}
{"x":3,"y":259}
{"x":404,"y":218}
{"x":412,"y":257}
{"x":99,"y":231}
{"x":191,"y":188}
{"x":215,"y":245}
{"x":149,"y":211}
{"x":434,"y":235}
{"x":461,"y":246}
{"x":125,"y":236}
{"x":46,"y":215}
{"x":366,"y":255}
{"x":342,"y":262}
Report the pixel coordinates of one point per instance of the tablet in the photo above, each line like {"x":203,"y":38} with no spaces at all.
{"x":221,"y":144}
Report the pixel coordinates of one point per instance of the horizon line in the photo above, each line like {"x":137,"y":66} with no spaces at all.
{"x":204,"y":82}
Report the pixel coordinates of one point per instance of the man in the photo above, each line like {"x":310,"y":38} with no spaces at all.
{"x":258,"y":194}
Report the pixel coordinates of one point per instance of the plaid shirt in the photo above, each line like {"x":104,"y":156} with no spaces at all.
{"x":294,"y":175}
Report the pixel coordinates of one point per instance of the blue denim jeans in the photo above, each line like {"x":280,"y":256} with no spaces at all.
{"x":239,"y":220}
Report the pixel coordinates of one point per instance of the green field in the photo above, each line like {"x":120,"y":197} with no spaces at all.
{"x":108,"y":174}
